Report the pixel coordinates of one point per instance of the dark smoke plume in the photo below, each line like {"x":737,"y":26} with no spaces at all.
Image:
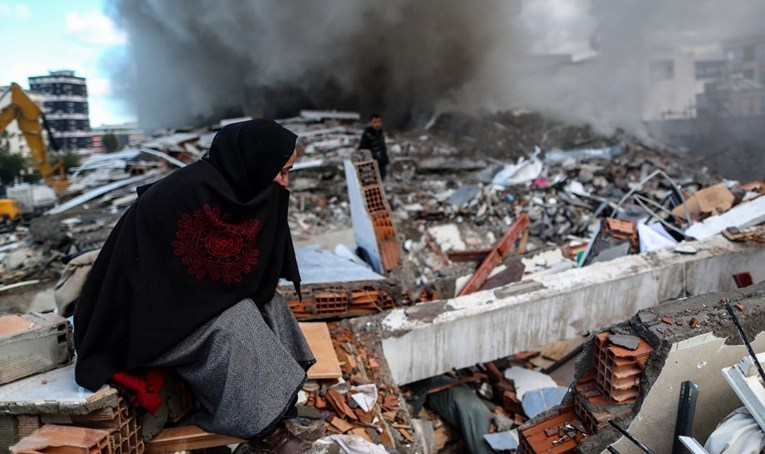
{"x":199,"y":60}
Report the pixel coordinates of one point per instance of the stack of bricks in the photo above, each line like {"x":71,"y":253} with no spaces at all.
{"x":333,"y":302}
{"x":608,"y":392}
{"x":594,"y":409}
{"x":614,"y":385}
{"x":379,"y":211}
{"x":119,"y":424}
{"x":619,"y":369}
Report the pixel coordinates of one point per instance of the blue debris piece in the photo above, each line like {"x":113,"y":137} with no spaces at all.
{"x":539,"y":400}
{"x":502,"y":441}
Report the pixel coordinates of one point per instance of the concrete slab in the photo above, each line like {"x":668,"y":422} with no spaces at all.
{"x":54,"y":392}
{"x":741,"y":216}
{"x":433,"y":338}
{"x":33,"y":343}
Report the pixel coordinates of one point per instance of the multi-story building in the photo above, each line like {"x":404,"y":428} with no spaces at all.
{"x":735,"y":96}
{"x":669,"y":85}
{"x":734,"y":85}
{"x":15,"y":139}
{"x":66,"y":108}
{"x":746,"y":58}
{"x":127,"y":134}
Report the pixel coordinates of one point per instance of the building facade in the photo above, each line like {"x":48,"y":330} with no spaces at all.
{"x":669,"y":85}
{"x":127,"y":134}
{"x":66,"y":108}
{"x":746,"y":58}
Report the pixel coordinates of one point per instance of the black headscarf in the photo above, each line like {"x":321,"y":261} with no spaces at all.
{"x":194,"y":244}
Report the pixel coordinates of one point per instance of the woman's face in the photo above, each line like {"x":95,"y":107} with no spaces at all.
{"x":283,"y":177}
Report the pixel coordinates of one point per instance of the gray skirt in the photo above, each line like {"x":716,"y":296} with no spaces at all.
{"x":245,"y":367}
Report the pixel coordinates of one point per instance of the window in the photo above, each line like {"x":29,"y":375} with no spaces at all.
{"x":662,"y":70}
{"x":736,"y":54}
{"x":749,"y":52}
{"x":709,"y":70}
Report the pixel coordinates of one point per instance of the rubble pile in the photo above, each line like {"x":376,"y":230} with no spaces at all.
{"x":453,"y":188}
{"x":22,"y":262}
{"x":471,"y":203}
{"x":362,"y":402}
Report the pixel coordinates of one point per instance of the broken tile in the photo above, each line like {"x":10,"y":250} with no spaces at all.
{"x":628,"y":342}
{"x":540,"y":400}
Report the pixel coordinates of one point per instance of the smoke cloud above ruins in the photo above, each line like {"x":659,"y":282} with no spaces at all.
{"x":200,"y":60}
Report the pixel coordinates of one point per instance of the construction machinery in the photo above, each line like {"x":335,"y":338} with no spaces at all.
{"x":9,"y":211}
{"x":29,"y":117}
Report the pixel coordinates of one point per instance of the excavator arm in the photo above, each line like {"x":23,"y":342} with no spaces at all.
{"x":28,"y":117}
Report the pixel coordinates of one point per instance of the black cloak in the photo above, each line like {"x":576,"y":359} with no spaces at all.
{"x":194,"y":244}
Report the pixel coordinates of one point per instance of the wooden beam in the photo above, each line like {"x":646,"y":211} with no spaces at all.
{"x":461,"y":381}
{"x":504,"y":246}
{"x":186,"y":438}
{"x":469,"y":255}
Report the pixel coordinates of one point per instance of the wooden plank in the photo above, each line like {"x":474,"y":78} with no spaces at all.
{"x":504,"y":246}
{"x":451,"y":384}
{"x":327,"y":365}
{"x":470,"y":255}
{"x":186,"y":438}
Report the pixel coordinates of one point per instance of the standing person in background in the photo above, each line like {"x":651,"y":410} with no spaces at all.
{"x":373,"y":139}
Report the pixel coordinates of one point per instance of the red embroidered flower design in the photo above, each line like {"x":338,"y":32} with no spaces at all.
{"x":215,"y":247}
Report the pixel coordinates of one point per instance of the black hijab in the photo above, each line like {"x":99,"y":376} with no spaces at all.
{"x":194,"y":244}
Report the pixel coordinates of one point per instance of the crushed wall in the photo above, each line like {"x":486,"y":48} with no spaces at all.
{"x":433,"y":338}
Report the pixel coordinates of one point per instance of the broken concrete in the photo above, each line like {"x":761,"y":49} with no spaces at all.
{"x":464,"y":331}
{"x":677,"y":350}
{"x":54,"y":392}
{"x":33,"y":343}
{"x":689,"y":351}
{"x":626,"y":341}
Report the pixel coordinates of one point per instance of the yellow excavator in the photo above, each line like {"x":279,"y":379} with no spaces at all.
{"x":28,"y":116}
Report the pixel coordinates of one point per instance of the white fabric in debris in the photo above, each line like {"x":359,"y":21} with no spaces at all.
{"x":365,"y":396}
{"x":448,"y":237}
{"x":526,"y":380}
{"x":654,"y":237}
{"x":738,"y":433}
{"x":524,"y":171}
{"x":354,"y":444}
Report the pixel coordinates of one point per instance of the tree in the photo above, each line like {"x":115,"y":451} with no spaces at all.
{"x":11,"y":166}
{"x":71,"y":159}
{"x":110,"y":142}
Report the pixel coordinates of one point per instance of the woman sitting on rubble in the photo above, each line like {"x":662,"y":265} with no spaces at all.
{"x":187,"y":280}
